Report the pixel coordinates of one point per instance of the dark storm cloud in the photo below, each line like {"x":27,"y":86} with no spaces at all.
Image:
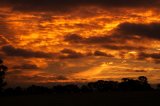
{"x":68,"y":5}
{"x":26,"y":66}
{"x":120,"y":35}
{"x":140,"y":71}
{"x":149,"y":55}
{"x":99,"y":39}
{"x":137,"y":71}
{"x":151,"y":30}
{"x":105,"y":41}
{"x":124,"y":31}
{"x":68,"y":53}
{"x":100,"y":53}
{"x":74,"y":38}
{"x":114,"y":47}
{"x":18,"y":52}
{"x":155,"y":57}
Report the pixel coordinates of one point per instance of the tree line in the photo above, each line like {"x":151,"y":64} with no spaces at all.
{"x":126,"y":84}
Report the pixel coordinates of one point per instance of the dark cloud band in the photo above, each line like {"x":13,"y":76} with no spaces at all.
{"x":68,"y":5}
{"x":18,"y":52}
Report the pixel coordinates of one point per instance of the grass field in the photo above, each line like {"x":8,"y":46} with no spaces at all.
{"x":86,"y":99}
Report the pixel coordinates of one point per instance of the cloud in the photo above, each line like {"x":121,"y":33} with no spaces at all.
{"x":5,"y":30}
{"x":124,"y":47}
{"x":18,"y":52}
{"x":26,"y":66}
{"x":39,"y":78}
{"x":46,"y":77}
{"x":140,"y":71}
{"x":61,"y":77}
{"x":99,"y":39}
{"x":143,"y":55}
{"x":68,"y":53}
{"x":120,"y":36}
{"x":2,"y":56}
{"x":113,"y":42}
{"x":151,"y":30}
{"x":124,"y":31}
{"x":14,"y":72}
{"x":100,"y":53}
{"x":3,"y":41}
{"x":149,"y":57}
{"x":136,"y":71}
{"x":70,"y":5}
{"x":75,"y":38}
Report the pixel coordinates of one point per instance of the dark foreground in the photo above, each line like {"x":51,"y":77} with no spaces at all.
{"x":151,"y":98}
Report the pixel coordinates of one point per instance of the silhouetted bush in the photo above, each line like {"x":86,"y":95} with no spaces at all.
{"x":103,"y":86}
{"x":141,"y":84}
{"x":37,"y":90}
{"x":158,"y":87}
{"x":127,"y":84}
{"x":71,"y":88}
{"x":3,"y":70}
{"x":85,"y":88}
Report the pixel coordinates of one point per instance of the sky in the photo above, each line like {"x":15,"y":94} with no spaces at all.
{"x":61,"y":41}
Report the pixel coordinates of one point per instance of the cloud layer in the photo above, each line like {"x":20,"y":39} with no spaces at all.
{"x":68,"y":5}
{"x":11,"y":51}
{"x":45,"y":41}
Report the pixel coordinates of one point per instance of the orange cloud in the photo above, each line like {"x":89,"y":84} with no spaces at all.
{"x":87,"y":39}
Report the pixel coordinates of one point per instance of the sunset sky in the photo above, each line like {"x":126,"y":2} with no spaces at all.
{"x":47,"y":41}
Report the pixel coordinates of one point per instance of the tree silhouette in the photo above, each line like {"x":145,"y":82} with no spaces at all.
{"x":3,"y":70}
{"x":143,"y":79}
{"x":158,"y":87}
{"x":144,"y":83}
{"x":127,"y":84}
{"x":140,"y":84}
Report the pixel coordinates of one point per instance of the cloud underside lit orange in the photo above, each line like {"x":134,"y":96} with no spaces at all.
{"x":79,"y":42}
